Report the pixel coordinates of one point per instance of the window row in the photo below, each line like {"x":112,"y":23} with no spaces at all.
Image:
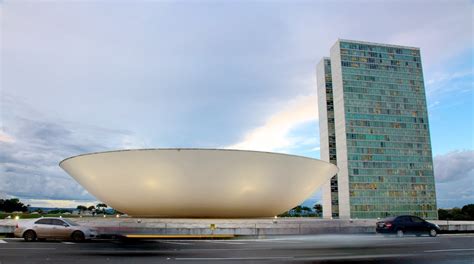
{"x":386,"y":131}
{"x":390,"y":124}
{"x":392,"y":138}
{"x":381,"y":158}
{"x":379,"y":48}
{"x":392,"y":207}
{"x":382,"y":214}
{"x":383,"y":111}
{"x":357,"y":65}
{"x":384,"y":55}
{"x":392,"y":165}
{"x":398,"y":187}
{"x":381,"y":64}
{"x":388,"y":152}
{"x":389,"y":179}
{"x":383,"y":70}
{"x":395,"y":175}
{"x":385,"y":86}
{"x":405,"y":194}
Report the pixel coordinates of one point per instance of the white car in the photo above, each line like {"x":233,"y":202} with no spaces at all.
{"x":53,"y":228}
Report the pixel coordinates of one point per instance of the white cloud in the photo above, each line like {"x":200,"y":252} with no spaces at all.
{"x":274,"y":133}
{"x":446,"y":82}
{"x":454,"y":172}
{"x":4,"y":137}
{"x":454,"y":166}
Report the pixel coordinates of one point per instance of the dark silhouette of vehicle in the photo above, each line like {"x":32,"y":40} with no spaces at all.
{"x":407,"y":224}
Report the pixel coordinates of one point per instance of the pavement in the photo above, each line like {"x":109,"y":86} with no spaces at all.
{"x":449,"y":248}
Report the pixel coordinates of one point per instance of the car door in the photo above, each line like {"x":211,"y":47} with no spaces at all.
{"x":405,"y":224}
{"x":61,"y":229}
{"x":419,"y":225}
{"x":43,"y":228}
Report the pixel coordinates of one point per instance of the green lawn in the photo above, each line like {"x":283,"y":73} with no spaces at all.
{"x":30,"y":216}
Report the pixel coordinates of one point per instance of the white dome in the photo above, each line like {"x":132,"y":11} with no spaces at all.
{"x":199,"y":182}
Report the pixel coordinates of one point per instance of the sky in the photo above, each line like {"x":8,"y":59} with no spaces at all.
{"x":87,"y":76}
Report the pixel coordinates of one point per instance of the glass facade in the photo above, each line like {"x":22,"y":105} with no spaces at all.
{"x":386,"y":140}
{"x":331,"y":136}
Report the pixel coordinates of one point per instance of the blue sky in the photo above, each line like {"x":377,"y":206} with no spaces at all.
{"x":83,"y":76}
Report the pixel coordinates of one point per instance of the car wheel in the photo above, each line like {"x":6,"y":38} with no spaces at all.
{"x":433,"y":232}
{"x":400,"y":233}
{"x":78,"y":236}
{"x":29,"y":236}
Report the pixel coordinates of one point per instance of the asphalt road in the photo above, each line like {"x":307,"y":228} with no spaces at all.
{"x":301,"y":249}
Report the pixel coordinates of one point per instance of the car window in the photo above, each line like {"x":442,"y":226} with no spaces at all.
{"x":71,"y":223}
{"x":44,"y":222}
{"x":404,"y":219}
{"x":416,"y":219}
{"x":58,"y":222}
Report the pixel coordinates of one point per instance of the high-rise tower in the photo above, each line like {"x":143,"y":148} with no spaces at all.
{"x":373,"y":115}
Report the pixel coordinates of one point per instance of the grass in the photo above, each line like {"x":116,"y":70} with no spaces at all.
{"x":32,"y":216}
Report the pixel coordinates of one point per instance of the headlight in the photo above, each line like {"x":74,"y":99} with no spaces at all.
{"x":437,"y":226}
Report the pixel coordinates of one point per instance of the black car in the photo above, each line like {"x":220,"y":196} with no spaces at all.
{"x":407,"y":224}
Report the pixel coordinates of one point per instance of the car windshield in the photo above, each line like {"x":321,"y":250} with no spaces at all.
{"x":389,"y":219}
{"x":71,"y":223}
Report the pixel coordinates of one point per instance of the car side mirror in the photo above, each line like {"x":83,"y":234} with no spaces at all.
{"x":65,"y":225}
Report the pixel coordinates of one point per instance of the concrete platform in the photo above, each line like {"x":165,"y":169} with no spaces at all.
{"x":260,"y":227}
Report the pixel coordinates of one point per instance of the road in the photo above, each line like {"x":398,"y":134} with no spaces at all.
{"x":301,"y":249}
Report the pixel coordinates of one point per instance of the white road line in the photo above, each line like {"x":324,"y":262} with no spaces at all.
{"x":68,"y":243}
{"x":404,"y":243}
{"x":3,"y":241}
{"x":448,"y":250}
{"x":174,"y":243}
{"x":236,"y":258}
{"x":225,"y":249}
{"x":280,"y":241}
{"x":345,"y":257}
{"x":225,"y":242}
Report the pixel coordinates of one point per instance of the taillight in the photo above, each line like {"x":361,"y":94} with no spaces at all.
{"x":17,"y":226}
{"x":388,"y":225}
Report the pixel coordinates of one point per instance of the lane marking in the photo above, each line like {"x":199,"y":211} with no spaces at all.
{"x":224,"y":242}
{"x":394,"y":244}
{"x":174,"y":243}
{"x":225,"y":249}
{"x":280,"y":241}
{"x":3,"y":241}
{"x":237,"y":258}
{"x":68,"y":243}
{"x":345,"y":257}
{"x":448,"y":250}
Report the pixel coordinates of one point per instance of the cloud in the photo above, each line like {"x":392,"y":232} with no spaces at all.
{"x":454,"y":166}
{"x":29,"y":164}
{"x":6,"y":138}
{"x":444,"y":83}
{"x":274,"y":134}
{"x":454,"y":172}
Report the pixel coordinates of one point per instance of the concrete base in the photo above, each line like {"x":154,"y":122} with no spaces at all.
{"x":260,"y":227}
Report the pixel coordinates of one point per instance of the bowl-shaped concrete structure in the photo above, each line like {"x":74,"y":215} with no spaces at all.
{"x":198,"y":182}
